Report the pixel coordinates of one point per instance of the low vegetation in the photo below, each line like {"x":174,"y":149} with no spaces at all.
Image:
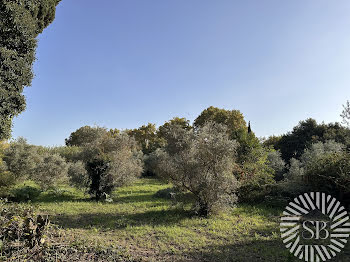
{"x":208,"y":192}
{"x":141,"y":225}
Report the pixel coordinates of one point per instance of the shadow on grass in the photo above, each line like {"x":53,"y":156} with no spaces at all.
{"x":258,"y":209}
{"x":53,"y":198}
{"x":118,"y":221}
{"x":254,"y":251}
{"x":269,"y":250}
{"x":135,"y":198}
{"x":136,"y":192}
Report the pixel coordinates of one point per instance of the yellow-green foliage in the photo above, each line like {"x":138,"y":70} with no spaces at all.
{"x":6,"y":178}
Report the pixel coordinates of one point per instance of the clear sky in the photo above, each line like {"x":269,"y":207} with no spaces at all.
{"x":124,"y":63}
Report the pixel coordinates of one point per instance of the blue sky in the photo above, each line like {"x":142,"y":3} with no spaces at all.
{"x":124,"y":63}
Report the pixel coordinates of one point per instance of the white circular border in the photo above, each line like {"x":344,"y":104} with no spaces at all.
{"x":302,"y":205}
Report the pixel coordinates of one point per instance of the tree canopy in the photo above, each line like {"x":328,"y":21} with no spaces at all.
{"x":236,"y":127}
{"x":308,"y":132}
{"x":20,"y":23}
{"x":85,"y":135}
{"x":232,"y":119}
{"x":146,"y":136}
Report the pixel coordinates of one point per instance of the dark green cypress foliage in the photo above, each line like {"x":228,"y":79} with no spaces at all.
{"x":21,"y":21}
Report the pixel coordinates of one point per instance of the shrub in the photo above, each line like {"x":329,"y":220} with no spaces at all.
{"x":25,"y":193}
{"x":167,"y":193}
{"x":292,"y":184}
{"x":7,"y":180}
{"x":150,"y":164}
{"x":85,"y":135}
{"x":77,"y":175}
{"x":27,"y":236}
{"x":277,"y":164}
{"x":308,"y":132}
{"x":255,"y":176}
{"x":318,"y":149}
{"x":50,"y":171}
{"x":21,"y":225}
{"x":318,"y":158}
{"x":101,"y":181}
{"x":330,"y":173}
{"x":25,"y":161}
{"x":69,"y":153}
{"x":201,"y":162}
{"x":21,"y":159}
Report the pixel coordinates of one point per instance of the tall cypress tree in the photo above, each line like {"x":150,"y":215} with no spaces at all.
{"x":21,"y":21}
{"x":249,"y":128}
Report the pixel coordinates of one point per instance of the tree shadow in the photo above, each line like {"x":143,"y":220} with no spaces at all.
{"x":119,"y":221}
{"x":54,"y":198}
{"x":254,"y":251}
{"x":136,"y":198}
{"x":269,"y":250}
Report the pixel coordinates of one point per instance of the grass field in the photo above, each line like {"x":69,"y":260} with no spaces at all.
{"x":148,"y":228}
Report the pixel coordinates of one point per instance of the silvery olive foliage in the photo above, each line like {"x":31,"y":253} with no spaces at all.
{"x":295,"y":171}
{"x":111,"y":161}
{"x":318,"y":149}
{"x":50,"y":171}
{"x":77,"y":175}
{"x":24,"y":161}
{"x":330,"y":174}
{"x":313,"y":153}
{"x":293,"y":184}
{"x":21,"y":158}
{"x":297,"y":180}
{"x":202,"y":162}
{"x":275,"y":162}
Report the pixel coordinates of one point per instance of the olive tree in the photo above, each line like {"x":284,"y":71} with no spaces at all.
{"x":85,"y":135}
{"x":318,"y":149}
{"x":25,"y":161}
{"x":275,"y":162}
{"x":77,"y":175}
{"x":237,"y":129}
{"x":69,"y":153}
{"x":202,"y":162}
{"x":111,"y":162}
{"x":50,"y":171}
{"x":301,"y":175}
{"x":330,"y":173}
{"x":21,"y":158}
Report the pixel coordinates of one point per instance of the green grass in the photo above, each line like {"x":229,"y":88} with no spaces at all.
{"x":154,"y":229}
